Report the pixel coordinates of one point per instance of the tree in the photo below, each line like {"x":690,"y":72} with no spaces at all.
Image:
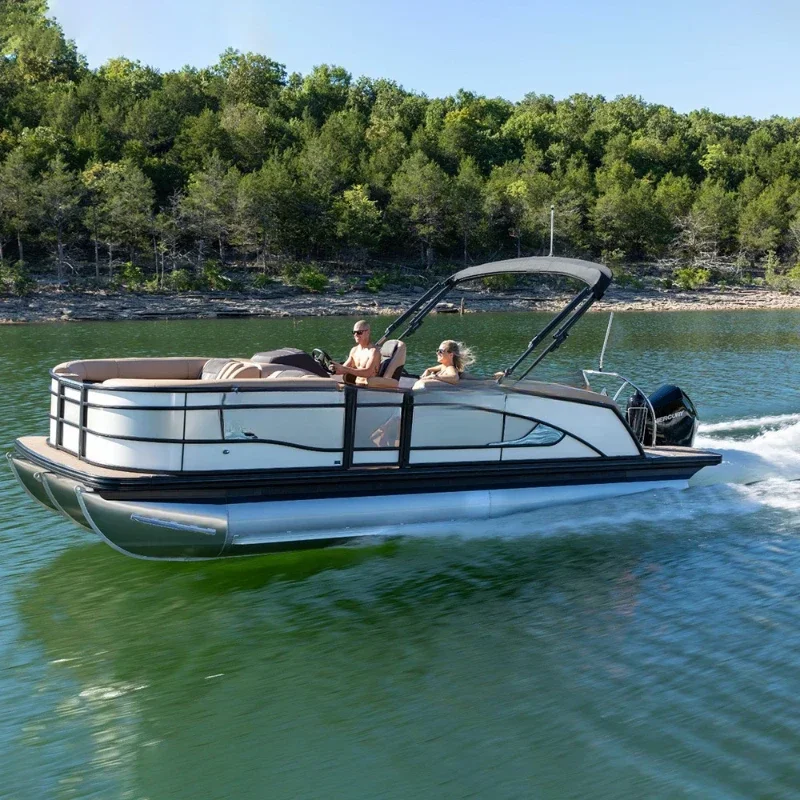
{"x":253,"y":133}
{"x":199,"y":138}
{"x":627,"y":215}
{"x":17,"y":208}
{"x":764,"y":220}
{"x":58,"y":198}
{"x":506,"y":201}
{"x":518,"y":198}
{"x":250,"y":77}
{"x":467,"y":201}
{"x":330,"y":159}
{"x":168,"y":231}
{"x":125,"y":208}
{"x":91,"y":215}
{"x":714,"y":214}
{"x":473,"y":129}
{"x":265,"y":210}
{"x":574,"y":199}
{"x":209,"y":203}
{"x":321,"y":93}
{"x":420,"y":194}
{"x":358,"y":220}
{"x":36,"y":45}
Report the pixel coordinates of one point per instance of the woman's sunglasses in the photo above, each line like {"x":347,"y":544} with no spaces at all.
{"x":441,"y":352}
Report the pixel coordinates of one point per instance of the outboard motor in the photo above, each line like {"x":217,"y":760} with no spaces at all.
{"x":676,"y":417}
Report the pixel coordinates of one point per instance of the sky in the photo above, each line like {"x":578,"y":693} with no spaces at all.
{"x":731,"y":56}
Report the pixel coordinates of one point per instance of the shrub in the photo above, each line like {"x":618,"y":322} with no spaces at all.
{"x":291,"y":271}
{"x":627,"y":280}
{"x":129,"y":275}
{"x":772,"y":268}
{"x":786,"y":282}
{"x":312,"y":280}
{"x":179,"y":280}
{"x":14,"y":279}
{"x":612,"y":258}
{"x":775,"y":278}
{"x":377,"y":283}
{"x":212,"y":277}
{"x":692,"y":277}
{"x":261,"y":281}
{"x":500,"y":283}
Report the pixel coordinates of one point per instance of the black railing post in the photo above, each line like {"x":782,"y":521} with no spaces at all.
{"x":349,"y":433}
{"x":406,"y":423}
{"x":60,"y":416}
{"x":84,"y":422}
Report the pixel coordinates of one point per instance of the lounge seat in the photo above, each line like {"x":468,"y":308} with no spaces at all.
{"x":281,"y":382}
{"x":227,"y":369}
{"x":393,"y":359}
{"x":97,"y":370}
{"x":288,"y":358}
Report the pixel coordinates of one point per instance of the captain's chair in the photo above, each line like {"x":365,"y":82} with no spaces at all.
{"x":393,"y":359}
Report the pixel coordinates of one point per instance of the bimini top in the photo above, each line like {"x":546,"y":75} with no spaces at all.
{"x":596,"y":276}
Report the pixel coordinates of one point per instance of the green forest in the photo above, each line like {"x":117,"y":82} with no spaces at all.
{"x":175,"y":179}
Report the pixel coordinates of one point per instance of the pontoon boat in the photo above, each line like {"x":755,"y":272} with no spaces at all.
{"x":185,"y":458}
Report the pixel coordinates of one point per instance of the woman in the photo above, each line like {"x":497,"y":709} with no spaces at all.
{"x":453,"y":358}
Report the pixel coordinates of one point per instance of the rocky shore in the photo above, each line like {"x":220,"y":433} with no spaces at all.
{"x":62,"y":306}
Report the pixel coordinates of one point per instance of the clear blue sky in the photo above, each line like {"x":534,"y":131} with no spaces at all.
{"x":732,"y":56}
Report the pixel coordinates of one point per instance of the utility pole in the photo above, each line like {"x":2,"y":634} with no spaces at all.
{"x":552,"y":217}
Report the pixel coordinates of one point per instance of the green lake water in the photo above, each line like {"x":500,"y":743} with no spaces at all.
{"x":645,"y":646}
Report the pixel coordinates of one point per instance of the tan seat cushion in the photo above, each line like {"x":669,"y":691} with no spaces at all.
{"x":393,"y":358}
{"x":97,"y":370}
{"x":288,"y":382}
{"x":377,"y":382}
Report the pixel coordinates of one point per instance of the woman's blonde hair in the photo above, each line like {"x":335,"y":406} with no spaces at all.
{"x":463,"y":357}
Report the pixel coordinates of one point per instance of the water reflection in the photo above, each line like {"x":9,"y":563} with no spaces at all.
{"x":376,"y":671}
{"x":280,"y":671}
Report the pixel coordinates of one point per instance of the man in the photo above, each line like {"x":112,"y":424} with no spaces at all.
{"x":364,"y":360}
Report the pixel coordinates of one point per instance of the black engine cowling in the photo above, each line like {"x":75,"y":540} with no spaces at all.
{"x":676,"y":417}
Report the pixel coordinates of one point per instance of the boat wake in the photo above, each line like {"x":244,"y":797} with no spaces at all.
{"x":758,"y":449}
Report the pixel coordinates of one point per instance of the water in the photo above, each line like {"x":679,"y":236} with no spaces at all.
{"x":646,"y":646}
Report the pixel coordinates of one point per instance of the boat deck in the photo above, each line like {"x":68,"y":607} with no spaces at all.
{"x":667,"y":463}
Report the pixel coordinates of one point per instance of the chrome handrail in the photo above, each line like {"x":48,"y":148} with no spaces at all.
{"x":615,"y":398}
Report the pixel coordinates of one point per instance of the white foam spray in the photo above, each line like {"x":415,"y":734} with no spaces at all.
{"x":758,"y":449}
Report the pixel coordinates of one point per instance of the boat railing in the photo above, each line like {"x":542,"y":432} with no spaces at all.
{"x":637,"y":416}
{"x":180,"y":427}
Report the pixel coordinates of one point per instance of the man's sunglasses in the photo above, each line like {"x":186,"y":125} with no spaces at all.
{"x":358,"y":333}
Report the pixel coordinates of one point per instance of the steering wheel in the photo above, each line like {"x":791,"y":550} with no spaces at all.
{"x":324,"y":360}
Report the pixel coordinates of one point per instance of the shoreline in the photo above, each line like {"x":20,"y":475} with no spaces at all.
{"x":106,"y":306}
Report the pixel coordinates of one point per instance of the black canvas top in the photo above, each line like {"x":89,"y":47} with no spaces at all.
{"x":597,"y":276}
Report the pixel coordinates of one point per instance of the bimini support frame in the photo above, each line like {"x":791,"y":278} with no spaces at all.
{"x":597,"y":277}
{"x":577,"y":307}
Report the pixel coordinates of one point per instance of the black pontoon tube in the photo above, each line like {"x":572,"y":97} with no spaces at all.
{"x":560,"y":317}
